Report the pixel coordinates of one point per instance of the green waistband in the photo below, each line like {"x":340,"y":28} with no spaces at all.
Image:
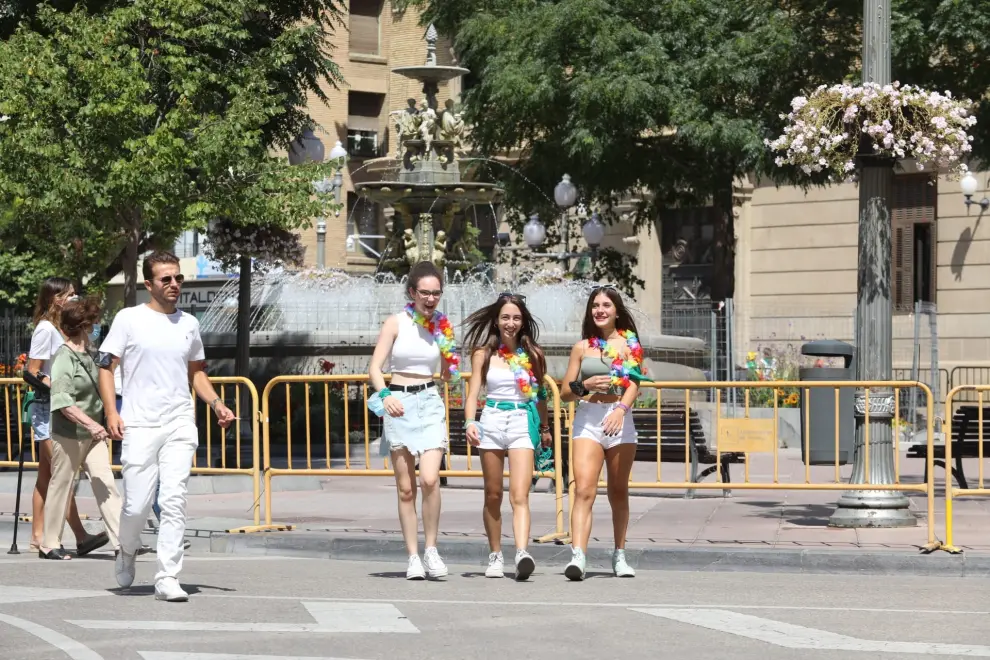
{"x":531,"y":412}
{"x":508,"y":405}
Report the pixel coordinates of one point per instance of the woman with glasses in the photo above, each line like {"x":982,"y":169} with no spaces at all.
{"x":46,"y":339}
{"x":508,"y":362}
{"x":418,"y":342}
{"x":603,"y":376}
{"x":79,"y":437}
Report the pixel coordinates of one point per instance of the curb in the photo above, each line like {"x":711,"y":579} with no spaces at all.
{"x":475,"y":552}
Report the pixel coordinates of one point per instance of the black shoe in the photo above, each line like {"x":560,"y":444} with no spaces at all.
{"x":94,"y":542}
{"x":58,"y":553}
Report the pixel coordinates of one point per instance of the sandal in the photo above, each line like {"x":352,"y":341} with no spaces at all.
{"x":58,"y":553}
{"x":93,"y":542}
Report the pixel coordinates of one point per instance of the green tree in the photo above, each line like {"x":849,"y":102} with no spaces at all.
{"x":127,"y":125}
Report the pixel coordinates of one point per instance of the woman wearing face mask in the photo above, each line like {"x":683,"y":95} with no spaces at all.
{"x":603,"y":375}
{"x":78,"y":435}
{"x":420,"y":341}
{"x":47,"y":338}
{"x":510,"y":364}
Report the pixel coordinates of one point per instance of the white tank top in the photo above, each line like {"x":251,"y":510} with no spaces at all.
{"x":501,"y":386}
{"x":415,"y":350}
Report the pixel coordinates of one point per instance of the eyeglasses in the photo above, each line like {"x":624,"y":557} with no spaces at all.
{"x":509,"y":294}
{"x":429,"y":294}
{"x":166,"y":280}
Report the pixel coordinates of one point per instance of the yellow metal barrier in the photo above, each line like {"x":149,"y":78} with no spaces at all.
{"x":344,"y":392}
{"x":748,"y":435}
{"x":966,"y":395}
{"x":244,"y":394}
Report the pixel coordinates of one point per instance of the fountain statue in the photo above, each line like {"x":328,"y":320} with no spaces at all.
{"x":428,"y":192}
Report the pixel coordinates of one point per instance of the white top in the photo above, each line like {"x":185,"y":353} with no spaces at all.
{"x":155,"y":350}
{"x":415,"y":349}
{"x":44,"y":342}
{"x":501,"y":385}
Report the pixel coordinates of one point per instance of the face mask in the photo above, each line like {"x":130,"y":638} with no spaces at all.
{"x":94,"y":335}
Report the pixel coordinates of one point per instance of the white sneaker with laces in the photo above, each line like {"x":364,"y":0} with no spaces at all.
{"x":168,"y":589}
{"x":496,"y":565}
{"x":619,"y":565}
{"x":575,"y":569}
{"x":525,"y":565}
{"x":435,"y":567}
{"x":415,"y":570}
{"x":124,"y":568}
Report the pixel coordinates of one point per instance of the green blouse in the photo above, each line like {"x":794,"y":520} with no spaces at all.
{"x":74,"y":378}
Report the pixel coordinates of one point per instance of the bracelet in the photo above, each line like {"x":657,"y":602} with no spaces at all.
{"x":623,"y":406}
{"x":213,"y":404}
{"x":384,"y":393}
{"x":545,"y":428}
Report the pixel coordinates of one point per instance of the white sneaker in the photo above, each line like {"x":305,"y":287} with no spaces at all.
{"x":619,"y":565}
{"x":415,"y":570}
{"x":168,"y":589}
{"x":496,"y":566}
{"x":124,"y":568}
{"x":434,"y":565}
{"x":525,"y":565}
{"x":575,"y":569}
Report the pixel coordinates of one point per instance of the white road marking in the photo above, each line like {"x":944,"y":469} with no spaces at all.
{"x":792,"y":636}
{"x":330,"y":617}
{"x":37,"y":594}
{"x":165,"y":655}
{"x":625,"y":606}
{"x":72,"y":648}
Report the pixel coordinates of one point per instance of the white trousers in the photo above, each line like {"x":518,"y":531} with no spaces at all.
{"x":149,"y":457}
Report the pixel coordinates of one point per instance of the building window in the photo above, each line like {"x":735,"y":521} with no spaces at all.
{"x":913,"y":241}
{"x":362,"y":226}
{"x":187,"y":244}
{"x":364,"y":111}
{"x":364,"y":26}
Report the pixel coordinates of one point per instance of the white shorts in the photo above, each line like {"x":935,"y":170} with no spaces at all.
{"x":588,"y":420}
{"x":505,"y":429}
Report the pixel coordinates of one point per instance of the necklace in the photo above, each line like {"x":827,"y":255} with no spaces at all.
{"x":623,"y":371}
{"x":522,"y":369}
{"x":443,"y":332}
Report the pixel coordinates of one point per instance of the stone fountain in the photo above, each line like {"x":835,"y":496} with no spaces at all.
{"x":428,"y":191}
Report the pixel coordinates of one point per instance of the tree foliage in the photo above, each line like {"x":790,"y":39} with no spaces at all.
{"x":129,"y":123}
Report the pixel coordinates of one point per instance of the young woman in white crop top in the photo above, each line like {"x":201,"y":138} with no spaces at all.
{"x":418,"y":343}
{"x":508,"y":362}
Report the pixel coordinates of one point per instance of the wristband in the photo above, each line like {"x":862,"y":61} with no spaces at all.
{"x":385,"y":393}
{"x":623,"y":406}
{"x":481,"y":429}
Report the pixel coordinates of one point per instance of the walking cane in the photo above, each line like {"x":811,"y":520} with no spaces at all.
{"x":25,"y":415}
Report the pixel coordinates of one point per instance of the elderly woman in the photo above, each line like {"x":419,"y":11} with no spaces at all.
{"x":78,"y":435}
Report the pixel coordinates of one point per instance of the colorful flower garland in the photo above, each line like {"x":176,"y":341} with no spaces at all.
{"x":522,"y":369}
{"x":623,"y":371}
{"x":441,"y":329}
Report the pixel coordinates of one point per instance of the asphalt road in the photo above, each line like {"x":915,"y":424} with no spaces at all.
{"x":244,"y":608}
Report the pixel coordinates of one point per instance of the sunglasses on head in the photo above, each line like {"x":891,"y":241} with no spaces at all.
{"x":167,"y":279}
{"x":509,"y":294}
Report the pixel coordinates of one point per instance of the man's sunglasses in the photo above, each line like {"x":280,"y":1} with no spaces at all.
{"x":166,"y":280}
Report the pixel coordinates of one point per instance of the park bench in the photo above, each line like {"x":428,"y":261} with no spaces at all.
{"x":965,"y":442}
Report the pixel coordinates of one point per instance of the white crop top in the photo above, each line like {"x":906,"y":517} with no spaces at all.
{"x":415,"y":350}
{"x":501,"y":386}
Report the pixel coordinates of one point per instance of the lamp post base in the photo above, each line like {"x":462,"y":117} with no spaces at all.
{"x":877,"y":509}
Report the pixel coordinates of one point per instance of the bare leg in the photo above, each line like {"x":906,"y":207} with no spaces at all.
{"x":618,"y":464}
{"x":404,"y":468}
{"x":492,"y":466}
{"x":520,"y":479}
{"x":429,"y":482}
{"x":586,"y":466}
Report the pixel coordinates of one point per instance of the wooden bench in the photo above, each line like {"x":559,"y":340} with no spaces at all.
{"x":965,"y":442}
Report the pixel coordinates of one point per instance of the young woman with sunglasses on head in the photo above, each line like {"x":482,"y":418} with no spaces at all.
{"x":506,"y":359}
{"x":602,"y":376}
{"x":419,"y":340}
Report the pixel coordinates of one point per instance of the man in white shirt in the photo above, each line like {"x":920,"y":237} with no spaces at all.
{"x":159,"y":351}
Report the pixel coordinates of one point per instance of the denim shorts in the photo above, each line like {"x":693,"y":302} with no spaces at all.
{"x":423,"y":424}
{"x":505,"y":429}
{"x":41,"y":421}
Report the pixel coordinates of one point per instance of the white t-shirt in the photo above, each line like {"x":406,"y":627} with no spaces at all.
{"x":155,"y":350}
{"x":44,"y":342}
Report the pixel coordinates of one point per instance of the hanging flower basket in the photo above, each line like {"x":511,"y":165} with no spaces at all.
{"x":268,"y":246}
{"x":826,"y":131}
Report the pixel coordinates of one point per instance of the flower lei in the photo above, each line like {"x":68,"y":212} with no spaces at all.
{"x":441,"y":329}
{"x":623,"y":371}
{"x":522,"y":369}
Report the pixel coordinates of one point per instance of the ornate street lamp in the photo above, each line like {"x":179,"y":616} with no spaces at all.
{"x":969,"y":186}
